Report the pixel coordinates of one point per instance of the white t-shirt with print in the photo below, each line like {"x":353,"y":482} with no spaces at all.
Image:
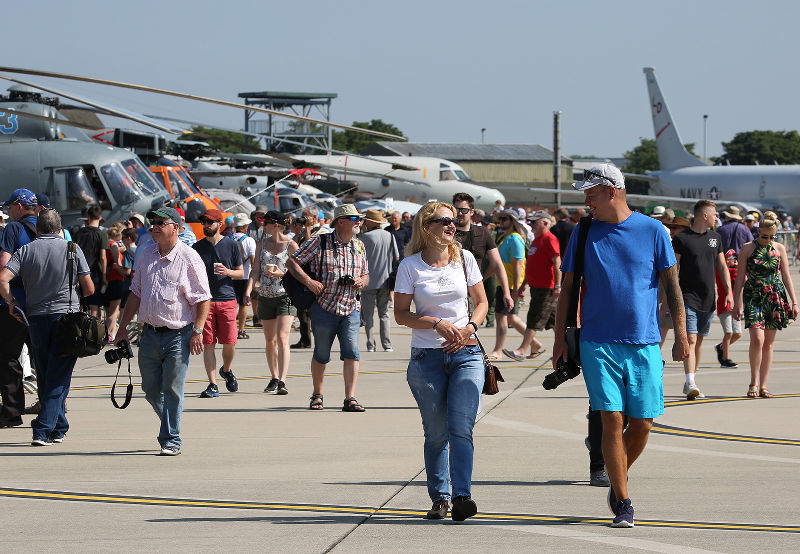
{"x":438,"y":292}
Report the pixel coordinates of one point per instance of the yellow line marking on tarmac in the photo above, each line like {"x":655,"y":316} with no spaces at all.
{"x":723,"y":399}
{"x":83,"y":497}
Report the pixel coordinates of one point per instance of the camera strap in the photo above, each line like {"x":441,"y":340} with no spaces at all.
{"x":129,"y":390}
{"x":577,"y":274}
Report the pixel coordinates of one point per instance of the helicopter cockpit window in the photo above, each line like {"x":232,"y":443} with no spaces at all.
{"x":190,"y":184}
{"x":142,"y":176}
{"x":76,"y":189}
{"x":120,"y":183}
{"x":179,"y":188}
{"x":447,"y":175}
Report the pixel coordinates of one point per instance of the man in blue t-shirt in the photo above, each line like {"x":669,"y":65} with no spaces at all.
{"x":625,"y":255}
{"x":223,"y":260}
{"x":22,"y":208}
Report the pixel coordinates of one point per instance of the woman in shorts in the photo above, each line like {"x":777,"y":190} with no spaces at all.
{"x":274,"y":308}
{"x":446,"y":369}
{"x":115,"y":278}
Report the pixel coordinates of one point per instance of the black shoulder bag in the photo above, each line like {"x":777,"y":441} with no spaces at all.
{"x":572,"y":367}
{"x":491,"y":375}
{"x":79,"y":334}
{"x":300,"y":296}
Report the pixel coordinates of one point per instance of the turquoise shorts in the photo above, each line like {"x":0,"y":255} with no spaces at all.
{"x":626,"y":378}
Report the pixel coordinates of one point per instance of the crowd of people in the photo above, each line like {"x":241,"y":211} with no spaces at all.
{"x":445,"y":271}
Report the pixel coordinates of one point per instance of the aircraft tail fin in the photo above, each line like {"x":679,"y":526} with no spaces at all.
{"x":671,"y":152}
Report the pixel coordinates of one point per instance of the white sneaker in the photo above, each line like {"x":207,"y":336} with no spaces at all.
{"x":390,"y":349}
{"x":692,"y":391}
{"x":170,"y":450}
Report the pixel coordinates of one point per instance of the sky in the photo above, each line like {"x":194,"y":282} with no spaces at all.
{"x":438,"y":70}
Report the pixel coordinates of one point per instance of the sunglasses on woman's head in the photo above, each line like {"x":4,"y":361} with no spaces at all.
{"x":445,"y":221}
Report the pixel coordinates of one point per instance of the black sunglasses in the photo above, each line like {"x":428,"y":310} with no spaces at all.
{"x":206,"y":221}
{"x":767,"y":237}
{"x":588,"y":174}
{"x":464,"y":211}
{"x":162,"y":223}
{"x":445,"y":221}
{"x":502,"y":218}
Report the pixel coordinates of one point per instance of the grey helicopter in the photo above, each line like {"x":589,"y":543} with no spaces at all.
{"x":43,"y":151}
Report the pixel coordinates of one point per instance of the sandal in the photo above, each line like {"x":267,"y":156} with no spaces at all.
{"x":316,"y":402}
{"x":752,"y":392}
{"x":764,"y":393}
{"x":535,"y":354}
{"x":243,"y":335}
{"x":352,"y":405}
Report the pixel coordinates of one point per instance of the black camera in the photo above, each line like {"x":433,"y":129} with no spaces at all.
{"x":302,"y":220}
{"x":572,"y":367}
{"x":123,"y":351}
{"x":346,"y":281}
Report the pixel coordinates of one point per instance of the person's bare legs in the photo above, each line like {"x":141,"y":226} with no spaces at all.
{"x":271,"y":348}
{"x":755,"y":353}
{"x":228,"y":351}
{"x":766,"y":358}
{"x":318,"y":375}
{"x":501,"y":330}
{"x":528,"y":341}
{"x":516,"y":323}
{"x":242,"y":317}
{"x":690,"y":363}
{"x":350,"y":377}
{"x":210,"y":362}
{"x":112,"y":313}
{"x":621,"y":449}
{"x":284,"y":325}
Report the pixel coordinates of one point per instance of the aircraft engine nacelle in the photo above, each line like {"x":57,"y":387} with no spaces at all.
{"x":16,"y":127}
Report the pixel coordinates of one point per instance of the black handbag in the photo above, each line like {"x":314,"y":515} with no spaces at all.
{"x":79,"y":334}
{"x":299,"y":295}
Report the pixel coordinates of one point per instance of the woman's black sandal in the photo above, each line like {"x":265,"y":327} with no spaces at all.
{"x":316,"y":402}
{"x":352,"y":405}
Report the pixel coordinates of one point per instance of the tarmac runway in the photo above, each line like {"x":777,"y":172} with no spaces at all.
{"x":261,"y":472}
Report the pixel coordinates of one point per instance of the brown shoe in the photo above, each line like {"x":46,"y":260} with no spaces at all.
{"x":438,"y":510}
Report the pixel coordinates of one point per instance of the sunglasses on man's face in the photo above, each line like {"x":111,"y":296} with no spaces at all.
{"x":206,"y":221}
{"x":445,"y":221}
{"x":502,"y":219}
{"x":353,"y":218}
{"x":161,"y":223}
{"x":463,"y":211}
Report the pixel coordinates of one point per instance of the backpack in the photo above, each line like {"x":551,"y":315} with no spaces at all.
{"x":299,"y":295}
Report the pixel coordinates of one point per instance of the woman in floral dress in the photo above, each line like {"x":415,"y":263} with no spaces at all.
{"x":765,"y":308}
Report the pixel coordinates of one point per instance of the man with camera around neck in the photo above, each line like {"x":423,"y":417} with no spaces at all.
{"x":625,"y":255}
{"x":341,"y":274}
{"x":170,"y":292}
{"x":42,"y":266}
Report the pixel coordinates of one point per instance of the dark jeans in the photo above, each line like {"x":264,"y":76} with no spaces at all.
{"x":596,"y":462}
{"x":304,"y":317}
{"x":54,"y":376}
{"x":14,"y":334}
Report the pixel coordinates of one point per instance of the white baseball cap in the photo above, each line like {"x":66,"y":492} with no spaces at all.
{"x":601,"y":174}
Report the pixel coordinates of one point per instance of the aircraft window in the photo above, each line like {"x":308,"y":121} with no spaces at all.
{"x":120,"y":184}
{"x":461,"y":175}
{"x":141,"y":176}
{"x":77,"y":187}
{"x":190,"y":184}
{"x":447,"y":175}
{"x":179,"y":188}
{"x":160,"y":178}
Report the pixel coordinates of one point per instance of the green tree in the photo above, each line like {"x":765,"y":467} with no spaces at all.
{"x":353,"y":141}
{"x":223,"y":141}
{"x":761,"y":147}
{"x":641,"y":159}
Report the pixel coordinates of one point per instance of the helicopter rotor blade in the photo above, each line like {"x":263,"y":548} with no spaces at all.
{"x":108,"y":109}
{"x":198,"y":98}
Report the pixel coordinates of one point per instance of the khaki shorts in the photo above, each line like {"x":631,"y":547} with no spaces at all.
{"x":271,"y":308}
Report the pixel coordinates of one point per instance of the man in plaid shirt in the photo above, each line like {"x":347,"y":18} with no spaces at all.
{"x":341,"y":273}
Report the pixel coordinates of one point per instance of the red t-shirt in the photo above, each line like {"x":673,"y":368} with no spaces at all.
{"x":539,"y":265}
{"x":721,"y":307}
{"x":113,"y":274}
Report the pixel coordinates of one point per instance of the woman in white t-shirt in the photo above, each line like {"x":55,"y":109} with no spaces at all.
{"x":446,"y":371}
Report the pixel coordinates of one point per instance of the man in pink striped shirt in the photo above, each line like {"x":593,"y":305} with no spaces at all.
{"x":170,"y":292}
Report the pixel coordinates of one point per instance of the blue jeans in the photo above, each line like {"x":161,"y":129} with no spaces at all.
{"x":163,"y":362}
{"x":327,"y":326}
{"x":54,"y":375}
{"x":447,"y":388}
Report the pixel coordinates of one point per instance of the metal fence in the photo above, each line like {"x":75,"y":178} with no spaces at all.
{"x":789,"y":240}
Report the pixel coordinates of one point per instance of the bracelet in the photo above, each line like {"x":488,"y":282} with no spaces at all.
{"x":437,"y":323}
{"x":474,"y":325}
{"x":557,"y":287}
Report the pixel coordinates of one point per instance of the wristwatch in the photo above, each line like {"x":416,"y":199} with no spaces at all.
{"x":197,"y":330}
{"x":474,"y":325}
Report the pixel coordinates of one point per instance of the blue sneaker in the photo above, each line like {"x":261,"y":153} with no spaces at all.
{"x":624,"y":510}
{"x":211,"y":391}
{"x":612,"y":498}
{"x":230,"y":380}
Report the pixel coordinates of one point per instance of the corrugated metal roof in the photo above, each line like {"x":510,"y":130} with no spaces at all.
{"x":295,"y":95}
{"x":465,"y":151}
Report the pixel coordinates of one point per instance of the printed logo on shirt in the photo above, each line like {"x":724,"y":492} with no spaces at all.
{"x":712,"y":243}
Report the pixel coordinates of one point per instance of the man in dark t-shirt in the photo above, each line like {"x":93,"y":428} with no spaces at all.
{"x":223,"y":260}
{"x":480,"y":242}
{"x":563,"y":228}
{"x":700,"y":256}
